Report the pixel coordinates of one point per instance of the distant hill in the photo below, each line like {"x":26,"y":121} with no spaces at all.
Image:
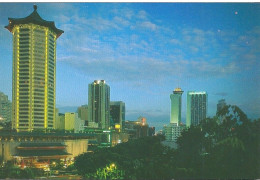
{"x":64,"y":109}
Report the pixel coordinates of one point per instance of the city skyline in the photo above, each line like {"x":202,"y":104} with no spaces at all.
{"x":145,"y":50}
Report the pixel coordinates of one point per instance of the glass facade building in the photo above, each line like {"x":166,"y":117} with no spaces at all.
{"x":34,"y":69}
{"x":176,"y":106}
{"x":221,"y":104}
{"x":99,"y":104}
{"x":117,"y":114}
{"x":197,"y":107}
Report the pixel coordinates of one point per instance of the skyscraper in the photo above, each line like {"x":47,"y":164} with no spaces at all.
{"x":176,"y":106}
{"x":98,"y":104}
{"x":221,"y":104}
{"x":83,"y":113}
{"x":197,"y":107}
{"x":173,"y":130}
{"x":117,"y":113}
{"x":34,"y":69}
{"x":5,"y":108}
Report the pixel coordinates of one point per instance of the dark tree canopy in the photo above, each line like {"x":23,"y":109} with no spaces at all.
{"x":222,"y":147}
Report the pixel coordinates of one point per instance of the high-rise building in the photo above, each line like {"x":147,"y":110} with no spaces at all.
{"x":60,"y":121}
{"x":83,"y":114}
{"x":117,"y":114}
{"x":98,"y":104}
{"x":73,"y":122}
{"x":173,"y":130}
{"x":197,"y":107}
{"x":176,"y":106}
{"x":221,"y":104}
{"x":34,"y":69}
{"x":5,"y":108}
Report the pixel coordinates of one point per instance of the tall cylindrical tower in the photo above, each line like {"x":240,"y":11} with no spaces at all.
{"x":176,"y":106}
{"x":34,"y":70}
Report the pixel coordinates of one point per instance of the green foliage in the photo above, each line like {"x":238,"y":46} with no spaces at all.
{"x":226,"y":150}
{"x":9,"y":170}
{"x":136,"y":159}
{"x":212,"y":150}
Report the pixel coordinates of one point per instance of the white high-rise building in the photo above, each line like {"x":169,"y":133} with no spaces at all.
{"x":197,"y":107}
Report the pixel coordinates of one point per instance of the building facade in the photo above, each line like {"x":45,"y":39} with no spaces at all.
{"x":117,"y":114}
{"x":176,"y":106}
{"x":5,"y":108}
{"x":98,"y":104}
{"x":173,"y":131}
{"x":221,"y":104}
{"x":139,"y":128}
{"x":73,"y":122}
{"x":34,"y":69}
{"x":32,"y":147}
{"x":60,"y":121}
{"x":83,"y":114}
{"x":197,"y":107}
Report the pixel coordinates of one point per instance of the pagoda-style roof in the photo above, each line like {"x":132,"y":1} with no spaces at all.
{"x":41,"y":153}
{"x":41,"y":146}
{"x":43,"y":150}
{"x":34,"y":18}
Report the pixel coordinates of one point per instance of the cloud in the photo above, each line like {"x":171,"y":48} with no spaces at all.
{"x":121,"y":21}
{"x":62,"y":18}
{"x":148,"y":25}
{"x":146,"y":70}
{"x":131,"y":46}
{"x":175,"y":41}
{"x":142,"y":15}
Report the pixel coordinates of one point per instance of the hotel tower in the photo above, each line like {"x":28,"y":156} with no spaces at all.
{"x":34,"y":69}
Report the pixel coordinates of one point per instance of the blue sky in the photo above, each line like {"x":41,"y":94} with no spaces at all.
{"x":145,"y":50}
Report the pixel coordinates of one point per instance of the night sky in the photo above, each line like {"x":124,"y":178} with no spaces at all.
{"x":145,"y":50}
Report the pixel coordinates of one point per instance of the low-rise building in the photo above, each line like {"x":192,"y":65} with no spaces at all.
{"x":32,"y":148}
{"x":139,"y":128}
{"x":172,"y":131}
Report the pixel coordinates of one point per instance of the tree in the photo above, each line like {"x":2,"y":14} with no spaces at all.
{"x":212,"y":150}
{"x":144,"y":158}
{"x":226,"y":150}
